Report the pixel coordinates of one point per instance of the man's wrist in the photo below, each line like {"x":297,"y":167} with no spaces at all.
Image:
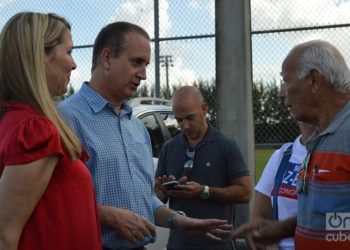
{"x":109,"y":215}
{"x":288,"y":227}
{"x":170,"y":219}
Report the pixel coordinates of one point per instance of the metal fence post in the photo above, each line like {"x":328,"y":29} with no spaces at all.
{"x":156,"y":48}
{"x":234,"y":82}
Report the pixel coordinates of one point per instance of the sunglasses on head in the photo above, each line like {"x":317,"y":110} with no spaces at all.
{"x":189,"y":162}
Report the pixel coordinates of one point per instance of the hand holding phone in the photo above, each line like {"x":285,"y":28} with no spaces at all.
{"x":170,"y":185}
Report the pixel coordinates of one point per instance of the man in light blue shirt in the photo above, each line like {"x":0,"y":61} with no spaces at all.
{"x":119,"y":146}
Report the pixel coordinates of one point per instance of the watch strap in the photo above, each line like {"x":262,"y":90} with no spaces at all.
{"x":170,"y":219}
{"x":205,"y":194}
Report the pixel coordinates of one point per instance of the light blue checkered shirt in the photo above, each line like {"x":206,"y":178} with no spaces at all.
{"x":120,"y":161}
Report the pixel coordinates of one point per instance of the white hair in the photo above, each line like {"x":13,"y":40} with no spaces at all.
{"x":327,"y":59}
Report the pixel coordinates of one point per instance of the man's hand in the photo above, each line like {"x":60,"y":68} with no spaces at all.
{"x":161,"y":192}
{"x":265,"y":232}
{"x":188,"y":189}
{"x":213,"y":229}
{"x":129,"y":225}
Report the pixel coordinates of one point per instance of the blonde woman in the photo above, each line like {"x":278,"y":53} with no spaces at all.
{"x":46,"y":195}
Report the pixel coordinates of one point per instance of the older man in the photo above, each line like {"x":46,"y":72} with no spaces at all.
{"x":317,"y":92}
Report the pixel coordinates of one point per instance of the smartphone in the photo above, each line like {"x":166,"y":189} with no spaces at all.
{"x":170,"y":184}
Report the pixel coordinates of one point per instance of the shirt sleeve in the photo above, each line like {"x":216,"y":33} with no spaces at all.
{"x":160,"y":171}
{"x":156,"y":203}
{"x":33,"y":139}
{"x":236,"y":165}
{"x":267,"y":179}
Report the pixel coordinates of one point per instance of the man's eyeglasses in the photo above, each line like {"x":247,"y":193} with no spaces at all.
{"x":189,"y":162}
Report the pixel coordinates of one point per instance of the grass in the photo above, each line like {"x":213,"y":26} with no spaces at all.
{"x":262,"y":156}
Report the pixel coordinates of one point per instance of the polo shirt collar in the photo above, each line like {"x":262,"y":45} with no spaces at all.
{"x":210,"y":135}
{"x":98,"y":103}
{"x":339,"y":119}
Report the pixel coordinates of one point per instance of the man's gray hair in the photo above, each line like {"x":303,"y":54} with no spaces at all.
{"x":327,"y":59}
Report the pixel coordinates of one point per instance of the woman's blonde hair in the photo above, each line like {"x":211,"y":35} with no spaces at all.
{"x":24,"y":41}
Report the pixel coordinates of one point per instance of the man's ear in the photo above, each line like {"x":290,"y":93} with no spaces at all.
{"x":316,"y":80}
{"x":105,"y":58}
{"x":204,"y":107}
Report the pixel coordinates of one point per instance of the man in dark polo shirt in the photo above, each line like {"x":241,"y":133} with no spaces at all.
{"x":209,"y":167}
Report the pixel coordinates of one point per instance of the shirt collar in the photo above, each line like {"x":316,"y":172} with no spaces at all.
{"x":339,"y":119}
{"x":98,"y":103}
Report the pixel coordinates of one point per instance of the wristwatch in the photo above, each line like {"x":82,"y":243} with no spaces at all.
{"x":205,"y":194}
{"x":171,"y":215}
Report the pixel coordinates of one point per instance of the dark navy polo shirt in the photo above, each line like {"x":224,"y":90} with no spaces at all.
{"x":217,"y":160}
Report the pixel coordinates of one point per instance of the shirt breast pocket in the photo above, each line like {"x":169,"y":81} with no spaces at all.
{"x":331,"y":176}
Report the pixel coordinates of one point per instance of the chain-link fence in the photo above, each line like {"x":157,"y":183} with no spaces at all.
{"x":187,"y":47}
{"x":276,"y":27}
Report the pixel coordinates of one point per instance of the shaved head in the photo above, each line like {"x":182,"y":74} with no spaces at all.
{"x":190,"y":110}
{"x":188,"y":95}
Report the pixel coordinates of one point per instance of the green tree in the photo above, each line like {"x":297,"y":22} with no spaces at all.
{"x":272,"y":121}
{"x":208,"y":89}
{"x":70,"y":92}
{"x":142,"y":91}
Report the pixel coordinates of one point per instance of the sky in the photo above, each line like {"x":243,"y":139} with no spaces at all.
{"x":269,"y":50}
{"x":194,"y":60}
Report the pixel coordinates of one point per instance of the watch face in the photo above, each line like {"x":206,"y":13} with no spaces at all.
{"x":205,"y":195}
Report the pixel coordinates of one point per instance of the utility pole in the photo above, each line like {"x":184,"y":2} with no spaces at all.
{"x":234,"y":86}
{"x":167,"y":61}
{"x":156,"y":48}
